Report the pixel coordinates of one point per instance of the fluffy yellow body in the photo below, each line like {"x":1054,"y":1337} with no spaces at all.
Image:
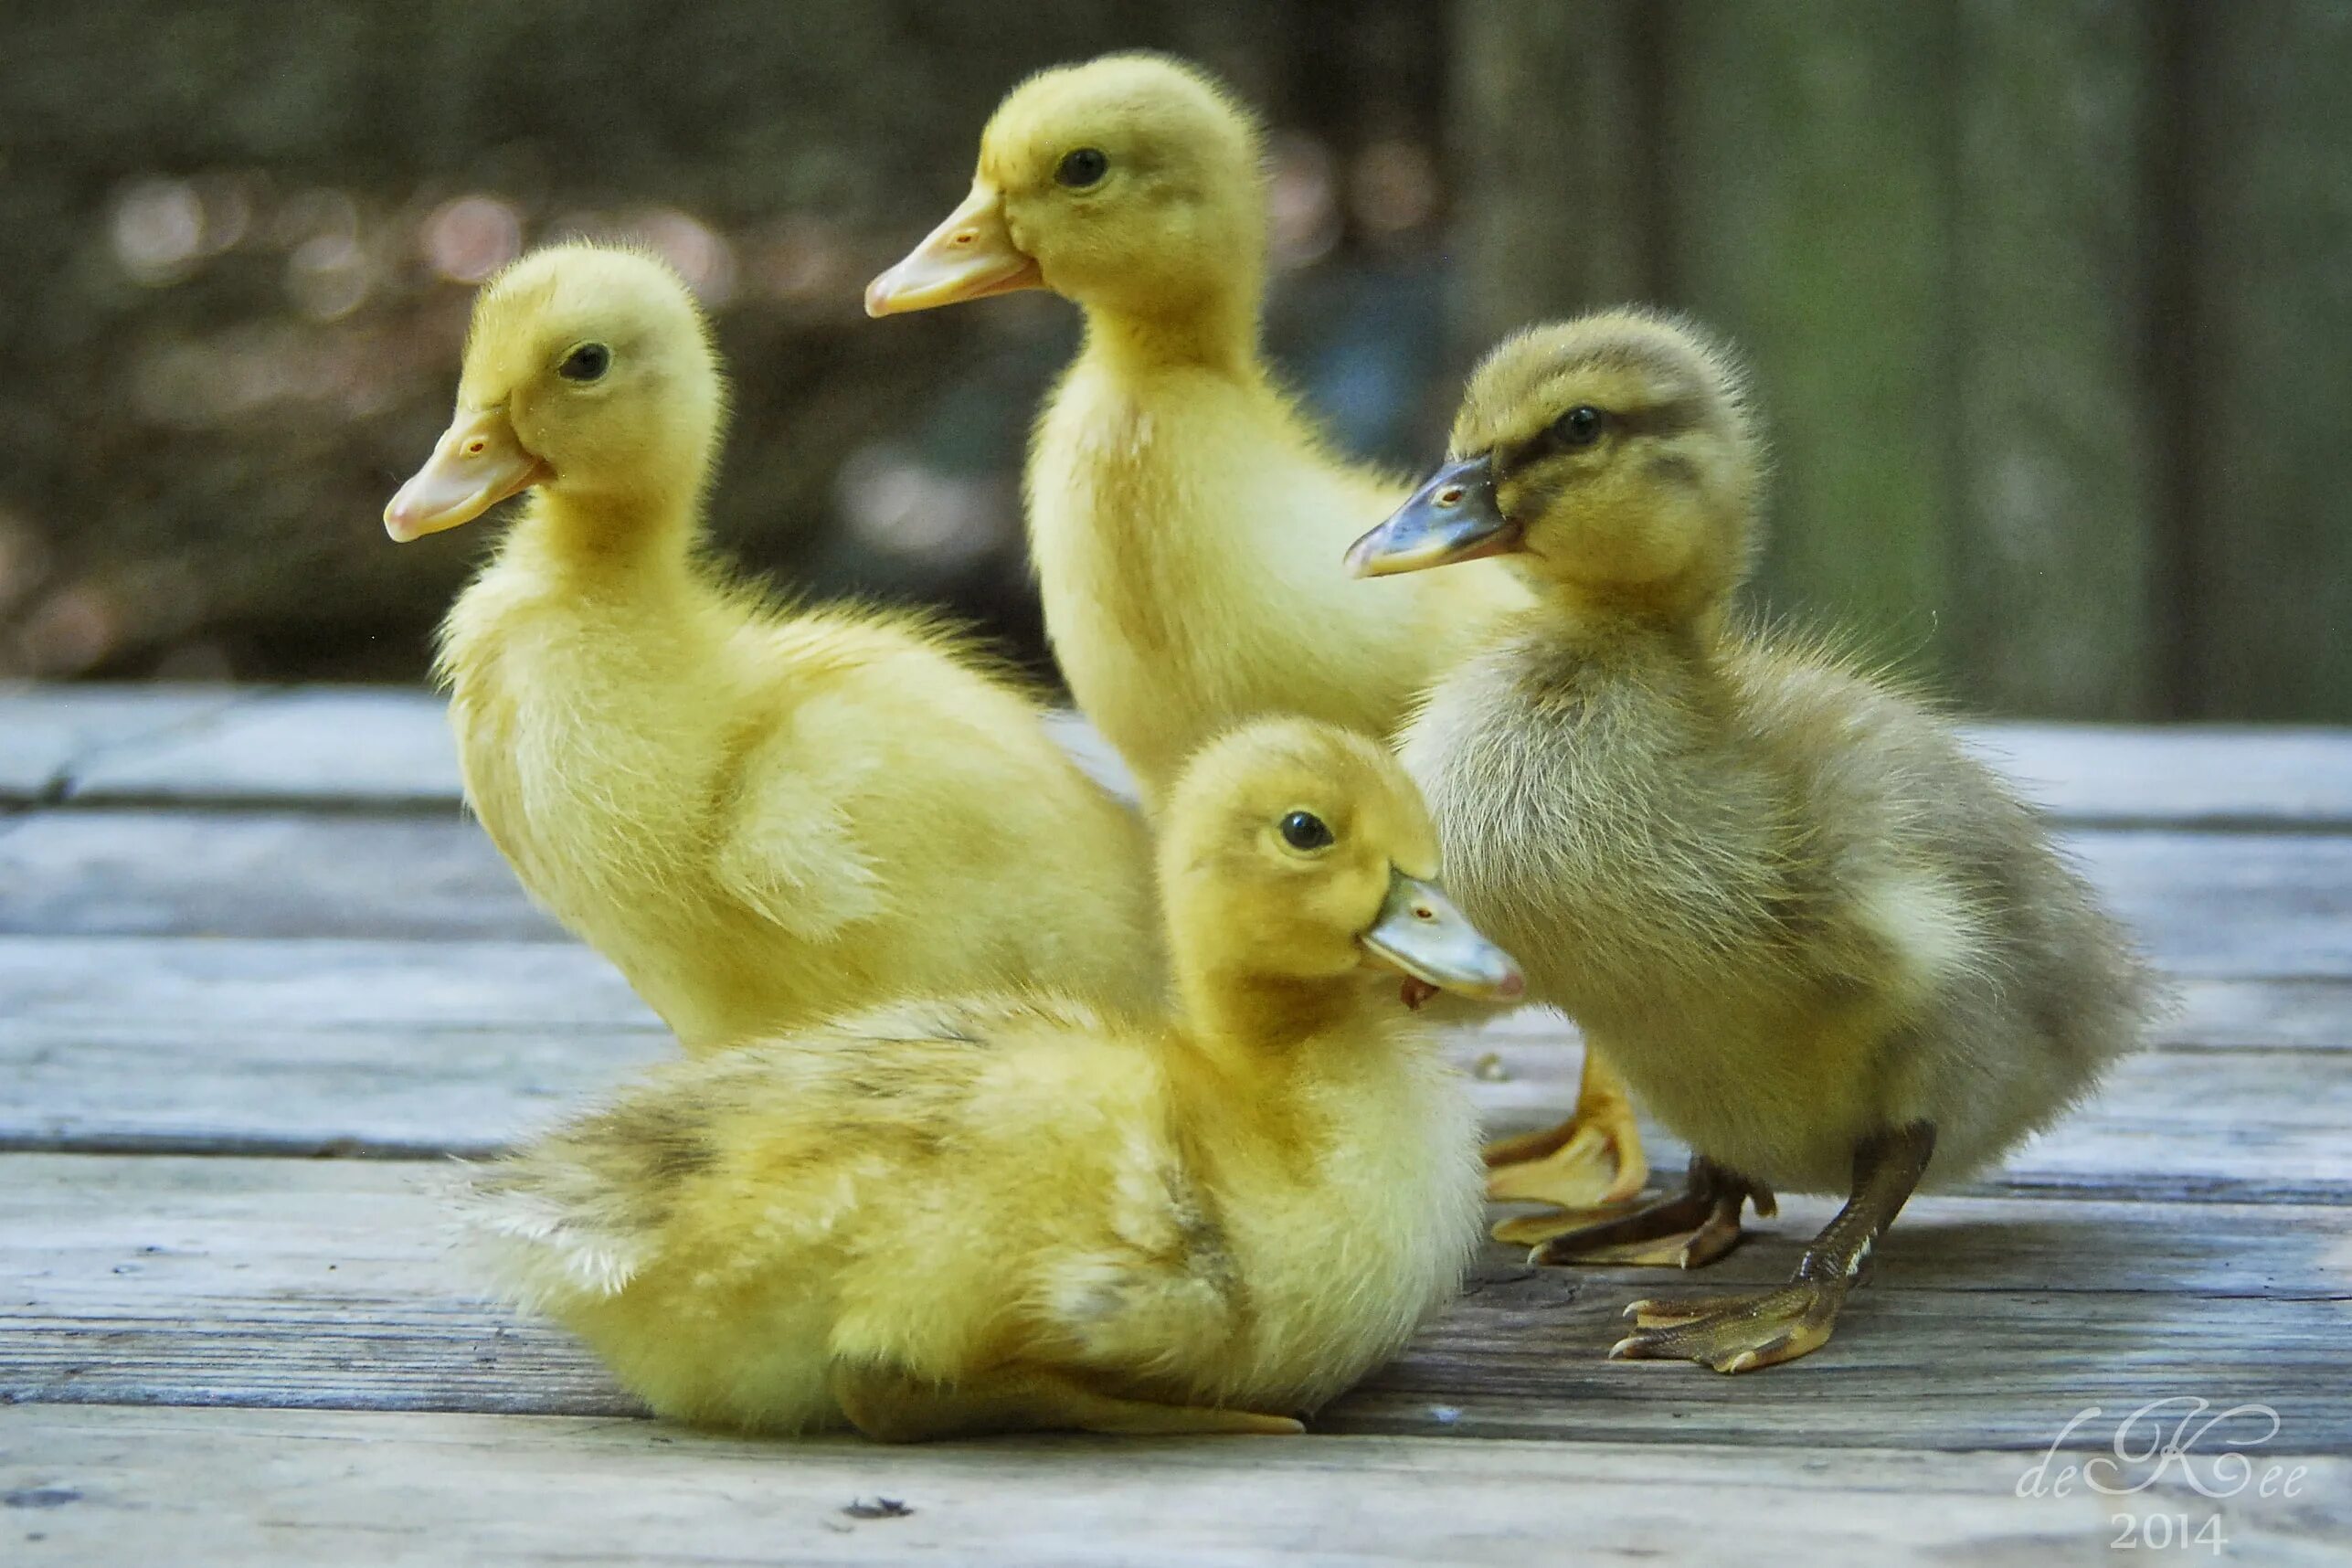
{"x":763,"y":814}
{"x":1016,"y":1211}
{"x":765,"y":820}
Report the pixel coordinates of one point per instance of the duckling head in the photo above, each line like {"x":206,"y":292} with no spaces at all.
{"x":1295,"y":854}
{"x":588,"y":372}
{"x":1612,"y":458}
{"x":1130,"y":184}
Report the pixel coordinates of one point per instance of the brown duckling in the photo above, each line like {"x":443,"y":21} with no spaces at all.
{"x":1826,"y":946}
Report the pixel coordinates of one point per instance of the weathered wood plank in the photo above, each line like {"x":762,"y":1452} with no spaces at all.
{"x":264,"y":1487}
{"x":375,"y":1092}
{"x":2056,"y":517}
{"x":2194,"y":776}
{"x":2207,"y":904}
{"x":373,"y":747}
{"x":334,"y":1285}
{"x":2243,"y":1126}
{"x":384,"y":748}
{"x":405,"y":1048}
{"x":2271,"y":219}
{"x":2215,"y":1014}
{"x":47,"y":732}
{"x":268,"y":873}
{"x":2239,"y":1125}
{"x":1818,"y":132}
{"x":216,"y":986}
{"x":2221,"y":903}
{"x":381,"y":1048}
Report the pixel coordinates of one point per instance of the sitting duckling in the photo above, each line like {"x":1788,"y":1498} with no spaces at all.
{"x":762,"y":815}
{"x":1185,"y":517}
{"x":1040,"y":1216}
{"x":1826,"y":946}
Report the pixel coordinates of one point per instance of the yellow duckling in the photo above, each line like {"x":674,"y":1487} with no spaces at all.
{"x":1039,"y":1215}
{"x":1185,"y":519}
{"x":761,"y":815}
{"x":1824,"y":944}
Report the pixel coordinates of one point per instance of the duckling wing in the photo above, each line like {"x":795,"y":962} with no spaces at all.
{"x":1158,"y":1290}
{"x":741,"y":1162}
{"x":789,"y":849}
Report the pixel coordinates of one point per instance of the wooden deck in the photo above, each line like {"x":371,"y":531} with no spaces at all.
{"x":240,"y":931}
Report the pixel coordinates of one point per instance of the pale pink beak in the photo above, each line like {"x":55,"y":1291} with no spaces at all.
{"x":968,"y":257}
{"x":477,"y":463}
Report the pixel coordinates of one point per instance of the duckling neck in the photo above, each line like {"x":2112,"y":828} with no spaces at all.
{"x":1585,"y":616}
{"x":1216,"y":333}
{"x":634,"y":541}
{"x":1243,"y":1017}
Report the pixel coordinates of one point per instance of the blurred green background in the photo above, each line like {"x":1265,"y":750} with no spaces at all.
{"x":2049,"y":302}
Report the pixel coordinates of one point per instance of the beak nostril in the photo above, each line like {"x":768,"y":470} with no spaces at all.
{"x":476,"y":447}
{"x":1450,"y":496}
{"x":1422,"y":912}
{"x":966,"y":237}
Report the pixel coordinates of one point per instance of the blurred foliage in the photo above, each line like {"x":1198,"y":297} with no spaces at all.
{"x":1988,"y":259}
{"x":238,"y":238}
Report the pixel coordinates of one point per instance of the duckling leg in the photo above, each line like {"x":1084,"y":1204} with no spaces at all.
{"x":1741,"y":1333}
{"x":1591,"y":1161}
{"x":1688,"y":1230}
{"x":891,"y":1406}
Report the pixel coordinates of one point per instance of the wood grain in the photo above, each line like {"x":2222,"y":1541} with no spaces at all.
{"x":215,"y":986}
{"x":2203,"y":776}
{"x":2243,"y":1126}
{"x":48,"y":733}
{"x":385,"y":749}
{"x":390,"y":749}
{"x":381,"y":748}
{"x":337,"y":1285}
{"x":403,"y":1049}
{"x":2271,"y":904}
{"x":263,"y":925}
{"x":138,"y":872}
{"x":267,"y":1488}
{"x":400,"y":1048}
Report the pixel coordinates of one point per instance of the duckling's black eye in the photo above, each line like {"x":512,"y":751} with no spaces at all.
{"x":1305,"y":831}
{"x":589,"y":362}
{"x":1079,"y":169}
{"x":1580,"y":425}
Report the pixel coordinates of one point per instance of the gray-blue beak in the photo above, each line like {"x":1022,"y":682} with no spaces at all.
{"x":1420,"y":932}
{"x":1453,"y":517}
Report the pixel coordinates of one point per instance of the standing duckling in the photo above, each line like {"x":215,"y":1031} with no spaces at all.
{"x":761,"y":814}
{"x":1824,"y":944}
{"x":1039,"y":1216}
{"x":1185,"y":518}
